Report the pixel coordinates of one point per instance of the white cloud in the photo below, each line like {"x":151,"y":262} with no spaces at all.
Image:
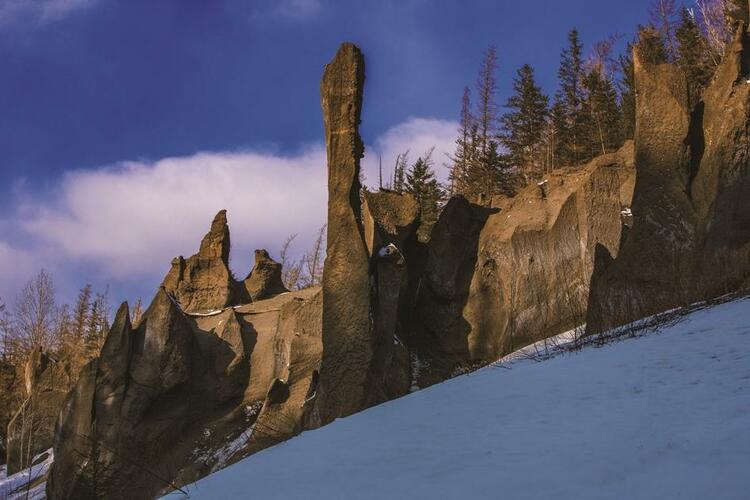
{"x":129,"y":220}
{"x":417,"y":135}
{"x":134,"y":217}
{"x":40,"y":11}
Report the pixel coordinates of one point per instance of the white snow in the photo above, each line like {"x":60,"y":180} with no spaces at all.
{"x":23,"y":485}
{"x":664,"y":416}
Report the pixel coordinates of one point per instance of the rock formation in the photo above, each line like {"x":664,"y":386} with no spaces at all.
{"x":265,"y":279}
{"x":365,"y":273}
{"x":31,"y":430}
{"x":204,"y":282}
{"x":691,"y":217}
{"x":184,"y":393}
{"x":501,"y":277}
{"x":346,"y":278}
{"x":218,"y":368}
{"x":390,"y":221}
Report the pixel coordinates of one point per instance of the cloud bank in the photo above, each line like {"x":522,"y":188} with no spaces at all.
{"x":127,"y":221}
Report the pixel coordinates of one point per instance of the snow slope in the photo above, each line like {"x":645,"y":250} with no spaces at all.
{"x":662,"y":416}
{"x":27,"y":484}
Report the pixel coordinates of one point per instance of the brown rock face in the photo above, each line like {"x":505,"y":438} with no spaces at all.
{"x":496,"y":279}
{"x":691,"y":229}
{"x":31,"y":429}
{"x":204,"y":282}
{"x":346,"y":281}
{"x":182,"y":395}
{"x":264,"y":280}
{"x":205,"y":378}
{"x":390,"y":221}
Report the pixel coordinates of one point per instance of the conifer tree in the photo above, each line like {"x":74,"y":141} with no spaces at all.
{"x":693,"y":54}
{"x":465,"y":147}
{"x":569,"y":125}
{"x":399,"y":171}
{"x":602,"y":113}
{"x":137,"y":312}
{"x":627,"y":92}
{"x":81,"y":311}
{"x":663,"y":14}
{"x":486,"y":114}
{"x":421,"y":183}
{"x":524,"y":124}
{"x":651,"y":47}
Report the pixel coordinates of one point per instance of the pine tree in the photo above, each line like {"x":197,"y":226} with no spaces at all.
{"x":650,"y":46}
{"x":523,"y":125}
{"x":98,"y":324}
{"x":570,"y":124}
{"x":421,"y":183}
{"x":693,"y":54}
{"x":465,"y":148}
{"x":602,"y":113}
{"x":137,"y":312}
{"x":663,"y":14}
{"x":81,"y":311}
{"x":627,"y":92}
{"x":399,"y":171}
{"x":486,"y":115}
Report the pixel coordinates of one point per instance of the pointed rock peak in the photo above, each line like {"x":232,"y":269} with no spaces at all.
{"x":220,"y":221}
{"x":265,"y":279}
{"x":216,"y":243}
{"x":122,"y":318}
{"x":261,"y":256}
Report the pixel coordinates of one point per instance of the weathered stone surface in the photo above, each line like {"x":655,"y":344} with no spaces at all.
{"x":691,"y":230}
{"x":501,"y":277}
{"x":31,"y":429}
{"x":182,"y":394}
{"x":264,"y":280}
{"x":204,"y":282}
{"x":390,"y":222}
{"x":346,"y":281}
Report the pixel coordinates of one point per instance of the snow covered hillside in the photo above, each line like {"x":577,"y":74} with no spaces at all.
{"x":661,"y":416}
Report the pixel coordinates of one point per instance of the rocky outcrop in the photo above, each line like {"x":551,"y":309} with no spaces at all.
{"x":501,"y":277}
{"x":691,"y":216}
{"x":346,"y":278}
{"x":390,"y":221}
{"x":264,"y":280}
{"x":204,"y":282}
{"x":31,"y":429}
{"x":195,"y":384}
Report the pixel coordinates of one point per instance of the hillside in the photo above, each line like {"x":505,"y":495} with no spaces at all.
{"x":659,"y":416}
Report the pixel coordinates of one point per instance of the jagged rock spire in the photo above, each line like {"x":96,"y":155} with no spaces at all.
{"x":346,"y":307}
{"x":204,"y":282}
{"x":264,"y":280}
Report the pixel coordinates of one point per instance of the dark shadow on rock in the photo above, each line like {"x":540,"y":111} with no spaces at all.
{"x":443,"y":289}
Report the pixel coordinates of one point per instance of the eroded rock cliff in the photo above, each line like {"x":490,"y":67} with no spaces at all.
{"x":185,"y":392}
{"x":498,"y":278}
{"x":691,"y":216}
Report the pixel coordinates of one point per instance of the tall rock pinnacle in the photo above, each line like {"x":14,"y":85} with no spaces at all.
{"x":204,"y":282}
{"x":346,"y":309}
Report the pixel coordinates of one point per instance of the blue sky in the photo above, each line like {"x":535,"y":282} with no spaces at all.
{"x":126,"y":125}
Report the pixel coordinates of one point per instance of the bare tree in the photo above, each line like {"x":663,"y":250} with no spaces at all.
{"x":35,"y":314}
{"x":714,"y":18}
{"x":314,"y":259}
{"x":487,"y":111}
{"x":291,"y":270}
